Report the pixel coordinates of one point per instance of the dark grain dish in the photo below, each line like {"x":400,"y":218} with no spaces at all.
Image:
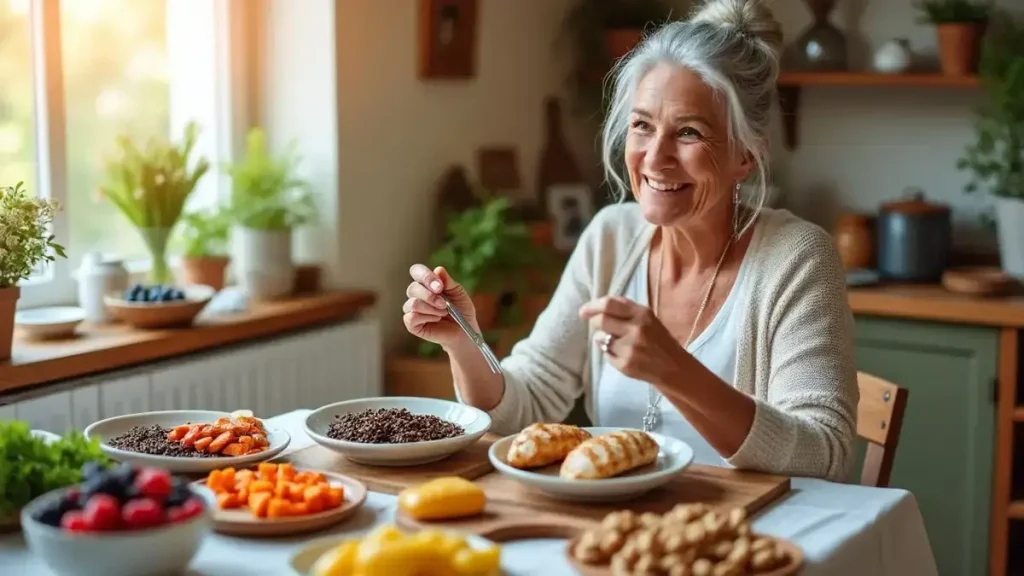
{"x":153,"y":440}
{"x":391,"y":426}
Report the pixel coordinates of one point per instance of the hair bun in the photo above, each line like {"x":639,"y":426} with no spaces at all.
{"x":750,"y":17}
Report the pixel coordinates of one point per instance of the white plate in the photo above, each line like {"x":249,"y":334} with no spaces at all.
{"x":113,"y":427}
{"x":304,"y":558}
{"x":475,"y":422}
{"x":674,"y":456}
{"x":51,"y":322}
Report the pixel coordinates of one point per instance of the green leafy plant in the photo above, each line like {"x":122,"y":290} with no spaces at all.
{"x":25,"y":238}
{"x":996,"y":158}
{"x":485,"y":249}
{"x":205,"y":233}
{"x":30,"y":467}
{"x":267,"y":194}
{"x":583,"y":37}
{"x":953,"y":11}
{"x":150,"y":185}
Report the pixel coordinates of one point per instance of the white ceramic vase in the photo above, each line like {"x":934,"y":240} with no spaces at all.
{"x":262,"y":262}
{"x":1010,"y":230}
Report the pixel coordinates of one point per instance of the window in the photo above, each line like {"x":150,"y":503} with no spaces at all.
{"x":80,"y":73}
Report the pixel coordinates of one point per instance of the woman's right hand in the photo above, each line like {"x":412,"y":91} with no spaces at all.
{"x":425,"y":315}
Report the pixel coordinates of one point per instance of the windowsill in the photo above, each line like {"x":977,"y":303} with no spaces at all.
{"x":99,"y":349}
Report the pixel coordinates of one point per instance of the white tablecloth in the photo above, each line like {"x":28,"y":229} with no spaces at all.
{"x":843,"y":530}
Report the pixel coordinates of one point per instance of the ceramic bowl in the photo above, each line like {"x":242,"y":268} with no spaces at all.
{"x":166,"y":549}
{"x":304,"y":559}
{"x":49,"y":323}
{"x":113,"y":427}
{"x":674,"y":456}
{"x":475,"y":423}
{"x":156,"y":315}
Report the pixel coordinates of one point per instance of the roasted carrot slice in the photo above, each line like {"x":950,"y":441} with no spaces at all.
{"x":203,"y":444}
{"x":286,"y":471}
{"x":234,"y":449}
{"x":261,"y":486}
{"x":229,"y":500}
{"x":278,"y":508}
{"x":191,"y":436}
{"x":178,"y":432}
{"x":335,"y":496}
{"x":221,"y":441}
{"x":258,"y":502}
{"x":267,"y":471}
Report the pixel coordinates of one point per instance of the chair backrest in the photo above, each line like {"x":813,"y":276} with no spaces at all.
{"x":879,"y":419}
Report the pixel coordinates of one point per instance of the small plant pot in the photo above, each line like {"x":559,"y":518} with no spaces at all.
{"x":1010,"y":231}
{"x":8,"y":301}
{"x":619,"y":42}
{"x":959,"y":47}
{"x":420,"y":377}
{"x":263,"y":263}
{"x":206,"y":270}
{"x":486,"y":304}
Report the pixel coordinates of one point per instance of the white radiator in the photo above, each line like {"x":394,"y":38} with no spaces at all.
{"x":269,"y":377}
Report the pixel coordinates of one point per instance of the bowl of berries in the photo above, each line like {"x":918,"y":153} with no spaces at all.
{"x":159,"y":306}
{"x":122,"y":521}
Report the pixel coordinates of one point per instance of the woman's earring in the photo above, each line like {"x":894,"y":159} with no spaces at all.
{"x":736,"y":210}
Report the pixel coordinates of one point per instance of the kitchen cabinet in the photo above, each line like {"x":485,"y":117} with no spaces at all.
{"x":945,"y":455}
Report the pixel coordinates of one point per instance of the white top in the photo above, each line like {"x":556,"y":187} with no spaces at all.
{"x":794,"y":351}
{"x":621,"y":401}
{"x":844,"y":530}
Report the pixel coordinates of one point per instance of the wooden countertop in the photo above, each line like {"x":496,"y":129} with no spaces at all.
{"x":933,"y":302}
{"x":103,"y":348}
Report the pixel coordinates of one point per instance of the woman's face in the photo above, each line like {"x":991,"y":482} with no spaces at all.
{"x":681,"y":165}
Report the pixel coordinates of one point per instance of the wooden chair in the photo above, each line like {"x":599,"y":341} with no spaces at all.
{"x":879,"y":419}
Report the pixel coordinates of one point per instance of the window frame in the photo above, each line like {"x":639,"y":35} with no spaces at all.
{"x":215,"y":70}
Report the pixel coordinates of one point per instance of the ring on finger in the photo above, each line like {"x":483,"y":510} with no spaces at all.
{"x":606,"y":343}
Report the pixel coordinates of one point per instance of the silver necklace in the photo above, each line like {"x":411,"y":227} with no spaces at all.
{"x":653,"y":397}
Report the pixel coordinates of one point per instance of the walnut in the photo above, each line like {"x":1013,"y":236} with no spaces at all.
{"x":720,"y":550}
{"x":611,"y":542}
{"x":695,"y":533}
{"x":702,"y":567}
{"x":727,"y":569}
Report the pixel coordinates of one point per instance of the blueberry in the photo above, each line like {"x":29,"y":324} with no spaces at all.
{"x":92,"y":470}
{"x":50,"y":513}
{"x":168,"y":294}
{"x":154,"y":293}
{"x":178,"y":496}
{"x":124,"y":474}
{"x":179,"y":295}
{"x":104,"y":484}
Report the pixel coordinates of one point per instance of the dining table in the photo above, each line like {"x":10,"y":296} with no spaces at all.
{"x":843,"y":529}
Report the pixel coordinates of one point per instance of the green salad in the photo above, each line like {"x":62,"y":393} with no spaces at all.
{"x":30,"y":466}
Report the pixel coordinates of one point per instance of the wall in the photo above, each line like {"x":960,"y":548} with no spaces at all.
{"x":341,"y":77}
{"x":860,"y":147}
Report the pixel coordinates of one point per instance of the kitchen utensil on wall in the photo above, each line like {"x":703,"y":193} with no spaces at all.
{"x":855,"y":241}
{"x":914,"y":238}
{"x":894,"y":56}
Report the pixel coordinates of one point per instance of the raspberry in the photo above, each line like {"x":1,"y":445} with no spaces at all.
{"x":74,"y":521}
{"x":142,"y":513}
{"x":102,"y":512}
{"x":153,"y":483}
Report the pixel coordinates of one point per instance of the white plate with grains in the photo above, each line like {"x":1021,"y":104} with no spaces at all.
{"x":397,"y":431}
{"x":188,"y":441}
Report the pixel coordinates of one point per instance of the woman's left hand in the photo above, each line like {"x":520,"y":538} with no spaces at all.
{"x":633,"y":339}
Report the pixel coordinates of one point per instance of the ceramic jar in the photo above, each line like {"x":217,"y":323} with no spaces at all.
{"x":894,"y":56}
{"x":855,"y":241}
{"x":98,"y":277}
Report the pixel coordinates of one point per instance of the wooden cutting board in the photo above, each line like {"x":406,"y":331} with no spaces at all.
{"x":720,"y":487}
{"x":470,"y":464}
{"x":515,"y":511}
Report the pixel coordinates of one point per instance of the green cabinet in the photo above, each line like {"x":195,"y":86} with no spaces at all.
{"x":945,"y":454}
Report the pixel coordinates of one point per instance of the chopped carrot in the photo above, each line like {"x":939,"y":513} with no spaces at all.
{"x":335,"y":496}
{"x":274,"y":490}
{"x":261,"y":486}
{"x":278,"y":508}
{"x":228,"y":500}
{"x":258,"y":503}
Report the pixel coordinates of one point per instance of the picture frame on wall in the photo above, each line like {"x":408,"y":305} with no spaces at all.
{"x":447,"y":39}
{"x":571,"y":207}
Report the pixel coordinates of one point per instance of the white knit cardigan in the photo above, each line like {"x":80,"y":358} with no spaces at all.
{"x":795,"y":354}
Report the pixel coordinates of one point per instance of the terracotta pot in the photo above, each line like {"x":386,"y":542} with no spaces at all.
{"x":959,"y":47}
{"x":208,"y":270}
{"x":8,"y":300}
{"x":855,"y":241}
{"x":486,"y":304}
{"x":542,"y":233}
{"x":421,"y":377}
{"x":619,"y":42}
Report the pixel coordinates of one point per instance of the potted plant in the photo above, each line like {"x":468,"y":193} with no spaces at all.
{"x":25,"y":243}
{"x":268,"y":201}
{"x":960,"y":25}
{"x":150,"y":187}
{"x":205,"y":237}
{"x":598,"y":32}
{"x":996,"y":158}
{"x":486,"y":251}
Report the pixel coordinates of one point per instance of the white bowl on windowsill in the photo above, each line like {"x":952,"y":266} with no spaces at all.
{"x":48,"y":323}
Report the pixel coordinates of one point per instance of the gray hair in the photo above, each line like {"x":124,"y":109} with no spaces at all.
{"x":733,"y":45}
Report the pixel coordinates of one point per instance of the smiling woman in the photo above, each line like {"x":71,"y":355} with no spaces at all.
{"x":733,"y":312}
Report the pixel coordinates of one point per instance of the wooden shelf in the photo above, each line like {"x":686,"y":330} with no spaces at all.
{"x":1018,"y":414}
{"x":792,"y":83}
{"x":798,"y":79}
